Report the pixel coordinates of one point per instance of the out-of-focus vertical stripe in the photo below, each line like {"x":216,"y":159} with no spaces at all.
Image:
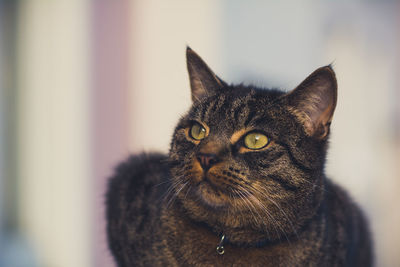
{"x":160,"y":88}
{"x":8,"y":198}
{"x":2,"y":120}
{"x":53,"y":130}
{"x":110,"y":72}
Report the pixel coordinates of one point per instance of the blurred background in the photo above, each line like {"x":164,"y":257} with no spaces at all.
{"x":84,"y":83}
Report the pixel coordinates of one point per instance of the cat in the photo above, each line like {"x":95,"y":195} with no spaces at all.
{"x":243,"y":183}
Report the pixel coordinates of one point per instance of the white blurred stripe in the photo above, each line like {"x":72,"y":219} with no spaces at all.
{"x":160,"y":87}
{"x":53,"y":130}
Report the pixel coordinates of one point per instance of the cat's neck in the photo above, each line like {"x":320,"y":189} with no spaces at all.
{"x":236,"y":236}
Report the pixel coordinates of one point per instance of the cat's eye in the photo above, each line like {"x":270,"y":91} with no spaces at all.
{"x":255,"y":140}
{"x":197,"y":131}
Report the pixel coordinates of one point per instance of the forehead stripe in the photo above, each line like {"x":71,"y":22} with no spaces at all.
{"x":221,"y":102}
{"x":238,"y":112}
{"x":207,"y":109}
{"x":203,"y":112}
{"x":250,"y":117}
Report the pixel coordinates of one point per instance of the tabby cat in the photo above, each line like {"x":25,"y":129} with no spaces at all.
{"x":243,"y":184}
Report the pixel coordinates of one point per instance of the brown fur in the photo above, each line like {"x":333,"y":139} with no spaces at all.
{"x":274,"y":205}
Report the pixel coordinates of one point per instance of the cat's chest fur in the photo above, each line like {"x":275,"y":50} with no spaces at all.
{"x":187,"y":239}
{"x":145,"y":230}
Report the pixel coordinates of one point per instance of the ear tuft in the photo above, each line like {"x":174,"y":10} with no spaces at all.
{"x":314,"y":101}
{"x":203,"y":81}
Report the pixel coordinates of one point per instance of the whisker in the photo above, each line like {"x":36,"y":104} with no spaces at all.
{"x":249,"y":205}
{"x":171,"y":188}
{"x":187,"y":192}
{"x":176,"y":194}
{"x":280,"y":209}
{"x":275,"y":224}
{"x":161,"y":183}
{"x":262,"y":206}
{"x":252,"y":205}
{"x":246,"y":205}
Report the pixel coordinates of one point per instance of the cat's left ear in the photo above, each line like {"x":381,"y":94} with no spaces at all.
{"x":203,"y":81}
{"x":314,"y":101}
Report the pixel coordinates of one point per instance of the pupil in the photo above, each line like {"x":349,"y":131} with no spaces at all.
{"x":198,"y":131}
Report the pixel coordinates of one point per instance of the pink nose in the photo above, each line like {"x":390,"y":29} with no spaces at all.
{"x":207,"y":160}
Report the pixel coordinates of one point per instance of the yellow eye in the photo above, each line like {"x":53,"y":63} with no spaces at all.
{"x":197,"y":131}
{"x":255,"y":140}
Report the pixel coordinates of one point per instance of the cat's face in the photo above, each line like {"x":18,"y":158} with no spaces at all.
{"x":245,"y":156}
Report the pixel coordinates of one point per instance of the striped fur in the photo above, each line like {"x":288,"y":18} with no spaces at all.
{"x":275,"y":205}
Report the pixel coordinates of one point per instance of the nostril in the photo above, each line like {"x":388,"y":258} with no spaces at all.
{"x":211,"y":161}
{"x":207,"y":160}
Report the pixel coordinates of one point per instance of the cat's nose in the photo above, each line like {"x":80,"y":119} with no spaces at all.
{"x":207,"y":160}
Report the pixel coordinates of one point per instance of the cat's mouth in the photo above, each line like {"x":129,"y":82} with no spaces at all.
{"x":218,"y":186}
{"x":215,"y":195}
{"x":211,"y":195}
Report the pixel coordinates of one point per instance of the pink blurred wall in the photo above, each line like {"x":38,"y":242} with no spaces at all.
{"x":110,"y":83}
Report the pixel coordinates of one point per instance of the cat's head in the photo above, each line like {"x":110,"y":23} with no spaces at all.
{"x":249,"y":157}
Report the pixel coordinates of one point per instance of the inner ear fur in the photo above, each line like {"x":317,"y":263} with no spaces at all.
{"x":203,"y":81}
{"x":314,"y":101}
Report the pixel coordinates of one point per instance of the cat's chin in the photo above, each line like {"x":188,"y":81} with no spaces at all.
{"x":212,"y":197}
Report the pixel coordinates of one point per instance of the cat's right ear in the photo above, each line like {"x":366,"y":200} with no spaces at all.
{"x":203,"y":81}
{"x":314,"y":101}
